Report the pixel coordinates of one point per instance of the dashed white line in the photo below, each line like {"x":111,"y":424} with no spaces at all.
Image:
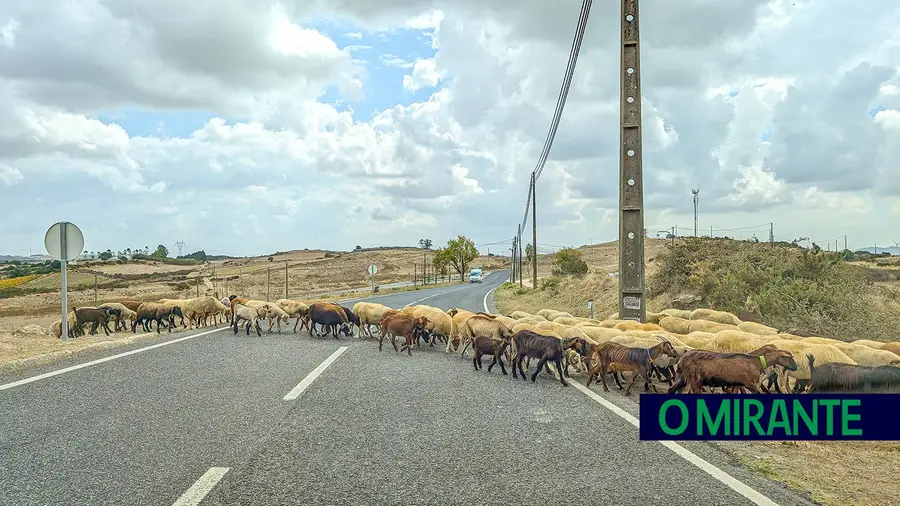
{"x":201,"y":487}
{"x":307,"y":381}
{"x":435,"y":295}
{"x":728,"y":480}
{"x":101,"y":360}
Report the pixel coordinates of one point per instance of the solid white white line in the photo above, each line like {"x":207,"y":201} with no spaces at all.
{"x":201,"y":487}
{"x":304,"y":384}
{"x":484,"y":302}
{"x":728,"y":480}
{"x":104,"y":359}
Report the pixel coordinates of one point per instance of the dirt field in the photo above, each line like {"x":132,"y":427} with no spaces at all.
{"x":835,"y":473}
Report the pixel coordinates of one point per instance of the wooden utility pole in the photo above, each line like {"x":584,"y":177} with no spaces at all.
{"x":425,"y":267}
{"x":414,"y":274}
{"x":534,"y":284}
{"x":512,"y":261}
{"x":632,"y":305}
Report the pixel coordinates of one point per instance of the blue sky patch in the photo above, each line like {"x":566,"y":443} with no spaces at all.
{"x":153,"y":123}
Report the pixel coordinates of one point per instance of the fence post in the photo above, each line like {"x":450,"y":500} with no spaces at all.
{"x":268,"y":285}
{"x":241,"y":280}
{"x":414,"y":274}
{"x":286,"y":280}
{"x":95,"y":289}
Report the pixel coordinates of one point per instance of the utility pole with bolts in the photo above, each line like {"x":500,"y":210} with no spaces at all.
{"x":521,"y":263}
{"x":631,"y":190}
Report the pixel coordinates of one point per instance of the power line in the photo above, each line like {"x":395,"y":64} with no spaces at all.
{"x":560,"y":102}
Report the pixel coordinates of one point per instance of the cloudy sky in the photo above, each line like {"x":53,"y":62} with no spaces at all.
{"x":250,"y":126}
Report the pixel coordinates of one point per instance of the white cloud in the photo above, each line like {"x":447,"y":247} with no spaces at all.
{"x":10,"y":175}
{"x":424,"y":74}
{"x":767,"y":106}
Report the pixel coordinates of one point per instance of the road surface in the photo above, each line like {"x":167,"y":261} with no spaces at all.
{"x":291,"y":419}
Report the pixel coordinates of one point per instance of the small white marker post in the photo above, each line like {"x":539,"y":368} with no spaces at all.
{"x":372,"y":270}
{"x":64,"y":242}
{"x":591,"y":307}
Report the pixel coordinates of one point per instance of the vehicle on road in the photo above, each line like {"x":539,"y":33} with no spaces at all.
{"x":476,"y":276}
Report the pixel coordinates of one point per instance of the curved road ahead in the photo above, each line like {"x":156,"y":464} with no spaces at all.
{"x":212,"y":418}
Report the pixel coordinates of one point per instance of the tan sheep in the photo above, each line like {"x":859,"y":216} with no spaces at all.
{"x":871,"y":344}
{"x":459,"y":318}
{"x":736,"y":341}
{"x":478,"y":325}
{"x":757,"y":328}
{"x":566,"y":320}
{"x":295,"y":308}
{"x":709,"y":326}
{"x":611,"y":323}
{"x":369,"y":313}
{"x":275,"y":313}
{"x":633,"y":325}
{"x":684,"y":314}
{"x":509,"y":322}
{"x":203,"y":308}
{"x":715,"y":316}
{"x":893,"y":347}
{"x":675,"y":324}
{"x":863,"y":355}
{"x":789,"y":337}
{"x":518,"y":315}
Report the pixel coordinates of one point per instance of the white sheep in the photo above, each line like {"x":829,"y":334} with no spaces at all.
{"x":251,"y":315}
{"x":126,"y":314}
{"x":294,"y":308}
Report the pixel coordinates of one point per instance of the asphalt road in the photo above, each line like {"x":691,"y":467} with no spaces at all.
{"x":372,"y":428}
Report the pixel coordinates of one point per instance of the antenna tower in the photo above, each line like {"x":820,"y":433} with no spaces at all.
{"x":180,"y":246}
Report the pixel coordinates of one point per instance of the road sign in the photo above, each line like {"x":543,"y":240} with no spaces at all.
{"x":64,"y":241}
{"x":373,"y":269}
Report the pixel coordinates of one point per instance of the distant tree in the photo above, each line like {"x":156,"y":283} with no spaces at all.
{"x":271,"y":259}
{"x":161,"y":252}
{"x":529,"y":252}
{"x":197,"y":255}
{"x":425,"y":243}
{"x":357,"y":248}
{"x":568,"y":262}
{"x":458,"y":253}
{"x":106,"y":255}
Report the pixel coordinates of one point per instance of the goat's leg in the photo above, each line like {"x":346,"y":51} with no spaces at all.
{"x":258,"y":329}
{"x":678,"y":385}
{"x":524,"y":378}
{"x":541,"y":363}
{"x":476,"y":362}
{"x":499,"y":359}
{"x":616,"y":375}
{"x":592,"y":372}
{"x":634,"y":377}
{"x":559,"y":366}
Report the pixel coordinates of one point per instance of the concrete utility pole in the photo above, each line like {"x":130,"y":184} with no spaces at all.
{"x":631,"y":189}
{"x":521,"y":262}
{"x":771,"y":233}
{"x":512,"y":261}
{"x":696,"y":201}
{"x":534,"y":284}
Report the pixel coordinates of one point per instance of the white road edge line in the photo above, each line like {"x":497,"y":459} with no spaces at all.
{"x":484,"y":302}
{"x":307,"y":381}
{"x":104,"y":359}
{"x":728,"y":480}
{"x":201,"y":487}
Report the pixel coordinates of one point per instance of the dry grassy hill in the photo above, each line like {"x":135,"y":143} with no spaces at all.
{"x":309,"y":272}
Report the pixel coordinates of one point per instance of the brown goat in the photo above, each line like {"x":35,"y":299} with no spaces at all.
{"x":486,"y":345}
{"x":697,"y":367}
{"x":132,"y":304}
{"x":404,"y":326}
{"x":545,"y":348}
{"x":637,"y":360}
{"x":96,"y":317}
{"x":838,"y":377}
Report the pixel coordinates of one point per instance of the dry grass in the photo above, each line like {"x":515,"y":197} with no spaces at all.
{"x":568,"y":293}
{"x":789,"y":289}
{"x":836,"y":473}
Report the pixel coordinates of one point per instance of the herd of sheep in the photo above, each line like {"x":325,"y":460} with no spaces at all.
{"x":692,"y":350}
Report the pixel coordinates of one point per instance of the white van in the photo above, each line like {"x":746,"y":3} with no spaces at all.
{"x":475,"y":276}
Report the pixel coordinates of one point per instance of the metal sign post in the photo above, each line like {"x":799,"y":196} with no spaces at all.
{"x":64,"y":242}
{"x":372,"y":270}
{"x":590,"y":305}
